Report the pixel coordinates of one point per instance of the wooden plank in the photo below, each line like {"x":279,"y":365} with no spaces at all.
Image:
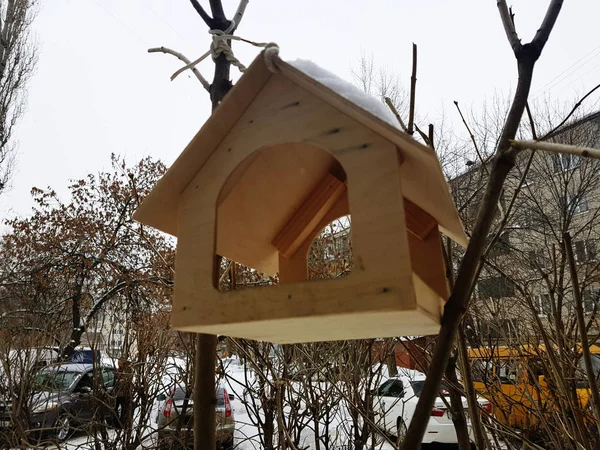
{"x":330,"y":328}
{"x":418,"y":221}
{"x":264,"y":197}
{"x":427,"y":263}
{"x":302,"y":224}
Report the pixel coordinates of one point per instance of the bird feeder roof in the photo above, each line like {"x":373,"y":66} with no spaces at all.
{"x":423,"y":182}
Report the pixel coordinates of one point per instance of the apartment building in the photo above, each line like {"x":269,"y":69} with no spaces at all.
{"x":526,"y":279}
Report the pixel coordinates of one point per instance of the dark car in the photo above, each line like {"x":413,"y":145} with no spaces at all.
{"x":176,"y":413}
{"x":65,"y":396}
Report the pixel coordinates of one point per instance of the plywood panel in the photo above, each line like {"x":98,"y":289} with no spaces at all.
{"x":331,"y":328}
{"x":418,"y":222}
{"x":427,"y":262}
{"x":267,"y":194}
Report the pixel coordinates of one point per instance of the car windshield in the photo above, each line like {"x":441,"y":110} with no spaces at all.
{"x":52,"y":380}
{"x":418,"y":387}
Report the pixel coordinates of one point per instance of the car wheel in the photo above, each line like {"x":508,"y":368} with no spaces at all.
{"x":228,"y":444}
{"x":400,"y":430}
{"x":63,"y":427}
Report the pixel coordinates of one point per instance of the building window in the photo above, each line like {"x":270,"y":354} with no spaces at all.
{"x":564,"y":162}
{"x":584,"y":250}
{"x":578,"y":202}
{"x":542,"y":304}
{"x":496,"y":287}
{"x":591,"y":300}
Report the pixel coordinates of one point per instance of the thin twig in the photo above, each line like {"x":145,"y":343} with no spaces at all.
{"x":183,"y":58}
{"x":388,"y":102}
{"x":531,"y":122}
{"x":413,"y":88}
{"x":472,"y":138}
{"x":577,"y":105}
{"x":423,"y":136}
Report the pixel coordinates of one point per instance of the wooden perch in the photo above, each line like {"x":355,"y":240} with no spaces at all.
{"x":575,"y":150}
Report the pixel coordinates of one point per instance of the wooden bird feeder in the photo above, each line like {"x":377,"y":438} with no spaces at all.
{"x":278,"y":160}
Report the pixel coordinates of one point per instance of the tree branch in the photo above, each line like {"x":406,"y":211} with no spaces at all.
{"x":198,"y":7}
{"x":388,"y":102}
{"x":509,"y":26}
{"x":577,"y":105}
{"x":217,"y":10}
{"x":239,"y":14}
{"x":183,"y":58}
{"x":586,"y":152}
{"x":541,"y":37}
{"x":458,"y":303}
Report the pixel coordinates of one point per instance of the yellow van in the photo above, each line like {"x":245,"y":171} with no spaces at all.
{"x":514,"y":380}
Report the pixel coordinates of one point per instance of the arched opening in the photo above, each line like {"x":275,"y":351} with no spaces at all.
{"x":330,"y":254}
{"x":269,"y":211}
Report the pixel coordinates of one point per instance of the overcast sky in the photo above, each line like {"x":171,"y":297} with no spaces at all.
{"x":98,"y":91}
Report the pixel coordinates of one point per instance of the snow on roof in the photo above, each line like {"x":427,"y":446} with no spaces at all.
{"x":346,"y":90}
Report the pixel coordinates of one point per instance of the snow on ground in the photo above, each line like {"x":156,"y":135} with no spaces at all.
{"x":246,"y":433}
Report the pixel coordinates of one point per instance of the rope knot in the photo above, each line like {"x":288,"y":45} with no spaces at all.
{"x":220,"y":46}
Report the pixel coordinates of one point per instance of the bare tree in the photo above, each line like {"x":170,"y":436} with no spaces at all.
{"x":504,"y":160}
{"x":18,"y":57}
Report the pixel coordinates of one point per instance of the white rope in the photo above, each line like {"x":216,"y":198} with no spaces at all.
{"x":220,"y":46}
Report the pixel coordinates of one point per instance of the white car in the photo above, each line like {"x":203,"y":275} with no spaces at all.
{"x":395,"y":400}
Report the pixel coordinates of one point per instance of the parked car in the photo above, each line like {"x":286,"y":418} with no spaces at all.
{"x":394,"y":404}
{"x":171,"y":412}
{"x":63,"y":397}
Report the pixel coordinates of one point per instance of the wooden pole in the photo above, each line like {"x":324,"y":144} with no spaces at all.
{"x":205,"y":400}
